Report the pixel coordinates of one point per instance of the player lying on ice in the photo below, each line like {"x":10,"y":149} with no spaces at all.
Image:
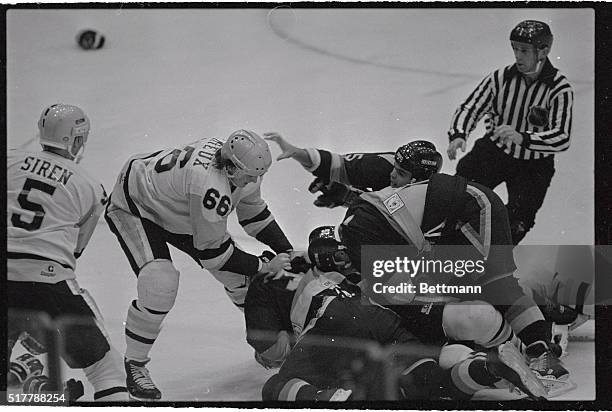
{"x":310,"y":325}
{"x":403,"y":200}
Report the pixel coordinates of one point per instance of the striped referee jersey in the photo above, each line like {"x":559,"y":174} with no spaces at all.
{"x":541,"y":111}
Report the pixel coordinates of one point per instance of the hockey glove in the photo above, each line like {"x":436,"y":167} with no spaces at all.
{"x":299,"y":264}
{"x":332,"y":193}
{"x":267,"y":257}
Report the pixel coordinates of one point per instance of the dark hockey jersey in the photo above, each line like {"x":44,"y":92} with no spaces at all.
{"x":292,"y":303}
{"x":456,"y":213}
{"x":363,"y":171}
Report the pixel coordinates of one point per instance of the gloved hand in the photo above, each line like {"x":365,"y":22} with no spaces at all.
{"x":299,"y":264}
{"x":332,"y":193}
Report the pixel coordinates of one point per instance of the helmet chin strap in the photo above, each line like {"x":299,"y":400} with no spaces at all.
{"x":78,"y":156}
{"x":536,"y":70}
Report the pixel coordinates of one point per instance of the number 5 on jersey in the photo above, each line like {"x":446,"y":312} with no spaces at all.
{"x":212,"y":201}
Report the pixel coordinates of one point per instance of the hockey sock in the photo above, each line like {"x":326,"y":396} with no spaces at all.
{"x":108,"y":378}
{"x":527,"y":321}
{"x":540,"y":330}
{"x":295,"y":389}
{"x":468,"y":377}
{"x":519,"y":310}
{"x":142,"y":327}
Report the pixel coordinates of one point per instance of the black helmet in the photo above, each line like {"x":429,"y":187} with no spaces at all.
{"x":419,"y":158}
{"x":325,"y":252}
{"x":532,"y":32}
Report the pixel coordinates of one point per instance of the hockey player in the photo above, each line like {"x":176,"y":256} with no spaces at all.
{"x":421,"y":207}
{"x":527,"y":112}
{"x":323,"y":312}
{"x":53,"y":206}
{"x":182,"y":196}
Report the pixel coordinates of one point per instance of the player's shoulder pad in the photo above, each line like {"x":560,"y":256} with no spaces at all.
{"x":84,"y":176}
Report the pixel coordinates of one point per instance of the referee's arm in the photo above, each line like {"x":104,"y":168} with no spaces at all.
{"x":472,"y":109}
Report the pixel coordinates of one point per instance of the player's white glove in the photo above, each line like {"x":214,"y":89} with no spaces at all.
{"x":276,"y":264}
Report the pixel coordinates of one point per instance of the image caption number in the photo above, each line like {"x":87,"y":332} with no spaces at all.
{"x":36,"y":398}
{"x":36,"y":208}
{"x":212,"y":201}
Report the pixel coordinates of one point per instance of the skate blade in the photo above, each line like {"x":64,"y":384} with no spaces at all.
{"x":556,"y":387}
{"x":137,"y":399}
{"x":509,"y":356}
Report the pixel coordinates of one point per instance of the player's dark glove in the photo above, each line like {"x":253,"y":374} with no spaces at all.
{"x":299,"y":265}
{"x":332,"y":193}
{"x":74,"y":388}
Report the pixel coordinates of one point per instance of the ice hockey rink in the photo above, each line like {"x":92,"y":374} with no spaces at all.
{"x":348,"y":80}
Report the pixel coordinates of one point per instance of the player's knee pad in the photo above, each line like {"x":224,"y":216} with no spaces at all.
{"x":158,"y":285}
{"x":476,"y":321}
{"x":107,"y":377}
{"x":452,"y":354}
{"x":235,"y":284}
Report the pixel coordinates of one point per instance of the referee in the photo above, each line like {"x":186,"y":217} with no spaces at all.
{"x":527,"y":111}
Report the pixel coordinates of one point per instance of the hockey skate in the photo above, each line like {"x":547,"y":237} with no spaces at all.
{"x":544,"y":361}
{"x":560,"y":336}
{"x":417,"y":382}
{"x":139,"y":383}
{"x":508,"y":363}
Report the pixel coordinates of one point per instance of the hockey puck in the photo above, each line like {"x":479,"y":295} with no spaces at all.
{"x":89,"y":39}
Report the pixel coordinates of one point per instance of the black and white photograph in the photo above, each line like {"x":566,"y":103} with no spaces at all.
{"x":219,"y":204}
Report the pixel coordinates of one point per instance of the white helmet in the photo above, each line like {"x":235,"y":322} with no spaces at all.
{"x":63,"y":125}
{"x":249,"y":152}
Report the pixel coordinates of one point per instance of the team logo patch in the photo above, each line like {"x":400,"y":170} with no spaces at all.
{"x":393,"y":203}
{"x":538,"y":116}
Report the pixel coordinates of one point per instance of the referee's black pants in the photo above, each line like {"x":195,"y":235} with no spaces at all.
{"x":526,"y":181}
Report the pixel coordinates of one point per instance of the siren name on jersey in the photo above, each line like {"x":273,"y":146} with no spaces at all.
{"x":181,"y":191}
{"x":46,"y":195}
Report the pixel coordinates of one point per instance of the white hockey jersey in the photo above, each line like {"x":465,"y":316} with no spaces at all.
{"x":53,"y":206}
{"x":181,"y":191}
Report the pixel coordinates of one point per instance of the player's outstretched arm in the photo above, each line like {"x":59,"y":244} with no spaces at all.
{"x":289,"y":150}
